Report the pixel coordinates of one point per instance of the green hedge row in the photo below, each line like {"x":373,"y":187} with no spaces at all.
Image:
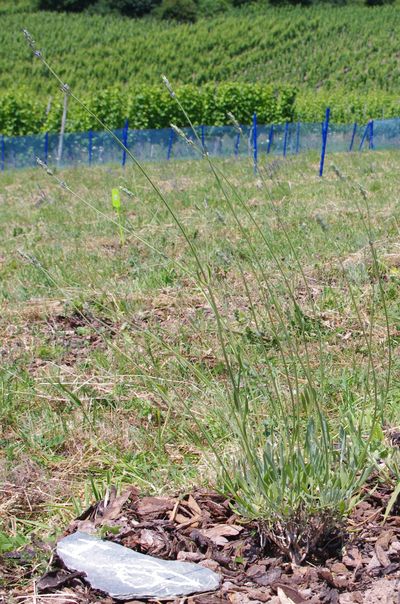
{"x":153,"y":107}
{"x":149,"y":107}
{"x":347,"y":107}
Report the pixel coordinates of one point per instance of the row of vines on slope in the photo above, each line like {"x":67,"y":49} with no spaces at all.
{"x":353,"y":47}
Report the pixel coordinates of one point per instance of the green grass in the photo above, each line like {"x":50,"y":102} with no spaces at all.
{"x":350,"y":47}
{"x":110,"y":354}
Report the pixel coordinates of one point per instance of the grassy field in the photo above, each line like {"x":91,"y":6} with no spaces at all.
{"x":112,"y":356}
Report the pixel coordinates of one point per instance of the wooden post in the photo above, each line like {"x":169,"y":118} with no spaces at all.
{"x":63,"y":122}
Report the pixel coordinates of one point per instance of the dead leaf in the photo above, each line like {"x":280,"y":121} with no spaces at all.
{"x":184,"y":521}
{"x":268,"y":578}
{"x":338,"y":568}
{"x":194,"y":506}
{"x":384,"y":539}
{"x":154,"y":507}
{"x":218,"y":533}
{"x":56,"y":579}
{"x":381,"y":555}
{"x":255,"y":570}
{"x":151,"y":541}
{"x":113,"y":509}
{"x":373,"y":563}
{"x":353,"y":558}
{"x":284,"y":598}
{"x":190,"y":556}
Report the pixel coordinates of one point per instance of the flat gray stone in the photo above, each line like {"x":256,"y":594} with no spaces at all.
{"x":125,"y":574}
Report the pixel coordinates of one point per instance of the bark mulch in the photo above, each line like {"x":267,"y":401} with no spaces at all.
{"x":360,"y":566}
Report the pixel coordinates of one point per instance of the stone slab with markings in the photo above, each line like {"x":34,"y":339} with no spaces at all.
{"x":125,"y":574}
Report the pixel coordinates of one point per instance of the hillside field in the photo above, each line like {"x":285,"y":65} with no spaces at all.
{"x":345,"y":57}
{"x":353,"y":47}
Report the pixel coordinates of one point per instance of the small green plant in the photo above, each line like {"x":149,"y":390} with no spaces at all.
{"x":116,"y":202}
{"x":9,"y":542}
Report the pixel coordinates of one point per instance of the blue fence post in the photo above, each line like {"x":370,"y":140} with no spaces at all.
{"x":371,"y":134}
{"x":255,"y":149}
{"x":90,"y":147}
{"x":298,"y":137}
{"x":3,"y":153}
{"x":237,"y":142}
{"x":324,"y":140}
{"x":270,"y":138}
{"x":125,"y":141}
{"x":364,"y":136}
{"x":285,"y":139}
{"x":170,"y":141}
{"x":353,"y":135}
{"x":46,"y":147}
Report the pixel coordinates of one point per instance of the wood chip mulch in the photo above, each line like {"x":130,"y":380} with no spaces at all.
{"x":363,"y":567}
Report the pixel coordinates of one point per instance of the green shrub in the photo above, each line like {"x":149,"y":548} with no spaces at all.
{"x":346,"y":107}
{"x":210,"y":8}
{"x":180,"y":10}
{"x":293,"y":2}
{"x":378,"y":2}
{"x":152,"y":107}
{"x":101,"y":7}
{"x":12,"y":7}
{"x":64,"y":5}
{"x":133,"y":8}
{"x":21,"y":114}
{"x":242,"y":2}
{"x":130,"y":8}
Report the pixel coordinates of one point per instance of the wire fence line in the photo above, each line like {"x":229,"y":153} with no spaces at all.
{"x":256,"y":141}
